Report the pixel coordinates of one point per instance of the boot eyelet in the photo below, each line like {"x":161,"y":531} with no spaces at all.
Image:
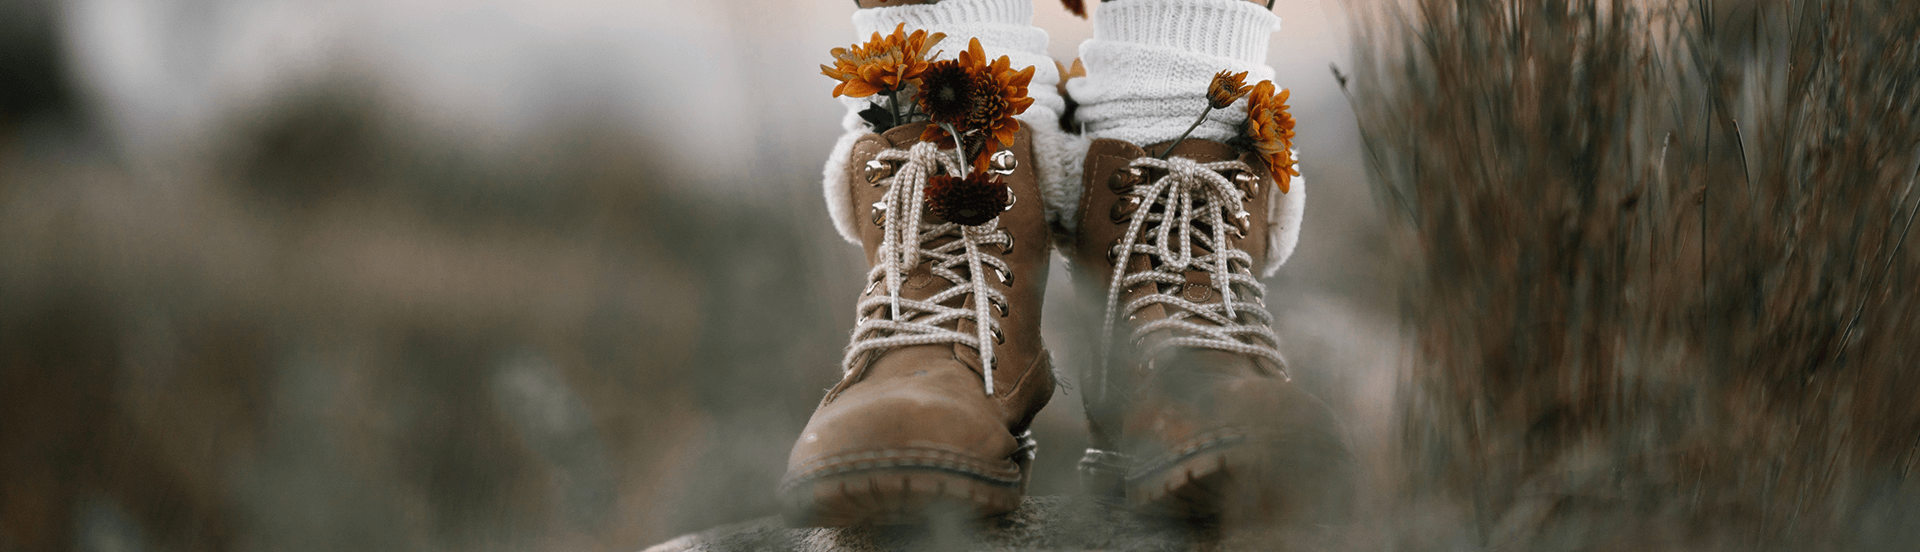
{"x":1002,"y":163}
{"x":1006,"y":278}
{"x":1125,"y":179}
{"x":998,"y":304}
{"x":1248,"y":183}
{"x":1113,"y":255}
{"x":1011,"y":199}
{"x":1007,"y":248}
{"x":877,"y":170}
{"x":1241,"y":222}
{"x":1124,"y":208}
{"x":879,"y":213}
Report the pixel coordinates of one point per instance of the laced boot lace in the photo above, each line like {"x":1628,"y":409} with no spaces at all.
{"x":890,"y":321}
{"x":1188,"y":207}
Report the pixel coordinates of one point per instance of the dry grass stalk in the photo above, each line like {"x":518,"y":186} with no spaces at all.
{"x":1661,"y":295}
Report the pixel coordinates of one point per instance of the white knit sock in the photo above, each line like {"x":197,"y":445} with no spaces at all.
{"x":1148,"y":67}
{"x":1149,"y":63}
{"x":1005,"y":28}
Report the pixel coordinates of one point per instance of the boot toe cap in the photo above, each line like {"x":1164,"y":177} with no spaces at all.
{"x":1247,"y":444}
{"x":904,"y":428}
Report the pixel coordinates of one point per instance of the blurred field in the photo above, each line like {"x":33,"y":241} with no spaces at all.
{"x":435,"y":275}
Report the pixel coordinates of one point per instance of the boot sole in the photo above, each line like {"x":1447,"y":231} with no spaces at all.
{"x":1234,"y":479}
{"x":1203,"y":480}
{"x":882,"y":490}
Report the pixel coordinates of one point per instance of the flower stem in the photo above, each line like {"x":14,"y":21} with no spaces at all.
{"x":1183,"y":135}
{"x":959,"y":149}
{"x":893,"y":106}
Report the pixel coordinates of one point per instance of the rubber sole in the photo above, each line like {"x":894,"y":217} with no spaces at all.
{"x":1201,"y":486}
{"x":903,"y":486}
{"x":895,"y":497}
{"x":1246,"y":482}
{"x":1220,"y":476}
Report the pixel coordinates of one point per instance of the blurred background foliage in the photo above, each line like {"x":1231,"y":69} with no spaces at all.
{"x":435,"y":275}
{"x":1661,"y":295}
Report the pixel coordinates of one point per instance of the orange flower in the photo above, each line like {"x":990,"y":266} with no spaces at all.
{"x":1226,"y":88}
{"x":1068,"y":74}
{"x":995,"y":93}
{"x":1270,"y":128}
{"x":884,"y":64}
{"x":1002,"y":94}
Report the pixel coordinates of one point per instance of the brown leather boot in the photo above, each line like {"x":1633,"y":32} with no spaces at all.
{"x":933,"y":411}
{"x":1192,"y":411}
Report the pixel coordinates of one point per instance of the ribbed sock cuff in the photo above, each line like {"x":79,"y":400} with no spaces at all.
{"x":1150,"y":61}
{"x":1233,"y":29}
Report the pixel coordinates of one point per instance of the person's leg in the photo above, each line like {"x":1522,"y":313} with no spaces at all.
{"x":1191,"y":409}
{"x":1148,"y":68}
{"x":1150,"y":61}
{"x":945,"y":369}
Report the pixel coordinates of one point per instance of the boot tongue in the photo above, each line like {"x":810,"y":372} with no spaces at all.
{"x":921,"y":284}
{"x":1199,"y":285}
{"x":1204,"y":151}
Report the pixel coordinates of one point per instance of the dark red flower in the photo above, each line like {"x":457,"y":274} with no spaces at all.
{"x":971,"y":201}
{"x":947,"y":92}
{"x":1078,"y":7}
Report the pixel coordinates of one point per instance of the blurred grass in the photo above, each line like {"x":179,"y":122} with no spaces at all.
{"x":342,"y":331}
{"x":1661,"y":297}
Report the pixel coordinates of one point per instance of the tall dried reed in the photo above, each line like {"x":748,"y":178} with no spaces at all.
{"x":1662,"y":294}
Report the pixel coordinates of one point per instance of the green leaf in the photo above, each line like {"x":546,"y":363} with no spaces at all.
{"x":881,"y":118}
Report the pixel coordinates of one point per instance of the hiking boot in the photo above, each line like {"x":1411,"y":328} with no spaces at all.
{"x":1191,"y":409}
{"x":933,"y":411}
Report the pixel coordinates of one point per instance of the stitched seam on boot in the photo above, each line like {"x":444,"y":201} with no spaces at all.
{"x":1043,"y":358}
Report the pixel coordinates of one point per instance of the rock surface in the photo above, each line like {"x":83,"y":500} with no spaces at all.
{"x":1042,"y":523}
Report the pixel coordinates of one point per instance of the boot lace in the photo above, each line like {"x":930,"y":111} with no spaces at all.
{"x":1188,"y":207}
{"x":890,"y":321}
